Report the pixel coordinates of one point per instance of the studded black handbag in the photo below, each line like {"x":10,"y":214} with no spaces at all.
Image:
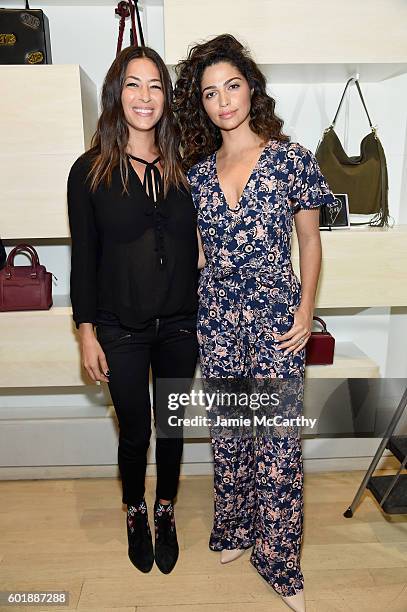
{"x":24,"y":36}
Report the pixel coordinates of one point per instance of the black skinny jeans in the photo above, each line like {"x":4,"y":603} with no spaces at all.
{"x":170,"y":346}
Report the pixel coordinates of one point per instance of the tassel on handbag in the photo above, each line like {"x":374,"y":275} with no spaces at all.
{"x":129,"y":8}
{"x":363,"y":177}
{"x":25,"y":287}
{"x":320,"y":347}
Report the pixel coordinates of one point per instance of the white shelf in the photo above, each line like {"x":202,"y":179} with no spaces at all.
{"x":349,"y":362}
{"x":40,"y":349}
{"x":40,"y":141}
{"x":361,"y":267}
{"x":292,"y":32}
{"x":326,"y":72}
{"x":35,"y":413}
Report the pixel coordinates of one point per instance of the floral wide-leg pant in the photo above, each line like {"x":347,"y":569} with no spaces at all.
{"x":258,"y":480}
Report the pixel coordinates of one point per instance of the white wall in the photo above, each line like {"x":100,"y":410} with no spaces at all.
{"x":87,"y":35}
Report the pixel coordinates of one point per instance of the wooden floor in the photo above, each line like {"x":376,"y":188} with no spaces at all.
{"x":70,"y":535}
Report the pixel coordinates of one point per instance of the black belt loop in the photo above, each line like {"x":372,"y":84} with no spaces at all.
{"x":157,"y":325}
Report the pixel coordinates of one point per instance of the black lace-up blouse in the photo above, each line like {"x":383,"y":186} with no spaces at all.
{"x":134,"y":256}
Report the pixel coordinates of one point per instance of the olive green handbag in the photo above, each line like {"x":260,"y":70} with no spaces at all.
{"x":363,"y":177}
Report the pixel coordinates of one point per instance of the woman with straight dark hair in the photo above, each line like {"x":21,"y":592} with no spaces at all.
{"x":134,"y":278}
{"x":249,"y":183}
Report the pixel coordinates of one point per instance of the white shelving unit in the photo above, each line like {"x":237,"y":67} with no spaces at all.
{"x":41,"y":140}
{"x":376,"y":255}
{"x":290,"y":33}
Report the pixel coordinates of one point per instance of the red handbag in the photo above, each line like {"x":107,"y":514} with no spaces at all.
{"x":25,"y":287}
{"x":320,"y":347}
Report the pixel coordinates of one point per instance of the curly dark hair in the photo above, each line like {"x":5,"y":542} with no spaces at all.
{"x":199,"y":136}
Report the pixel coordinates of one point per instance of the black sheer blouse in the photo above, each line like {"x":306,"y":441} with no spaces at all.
{"x":133,"y":259}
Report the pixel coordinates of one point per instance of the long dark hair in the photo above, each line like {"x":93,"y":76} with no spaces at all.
{"x":199,"y":136}
{"x":110,"y":140}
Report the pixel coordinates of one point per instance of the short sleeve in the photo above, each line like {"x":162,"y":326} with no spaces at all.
{"x":310,"y":189}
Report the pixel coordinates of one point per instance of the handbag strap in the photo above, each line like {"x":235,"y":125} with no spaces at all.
{"x":123,"y":11}
{"x":22,"y":248}
{"x":133,"y":31}
{"x":322,"y":323}
{"x":361,"y":97}
{"x":140,"y":27}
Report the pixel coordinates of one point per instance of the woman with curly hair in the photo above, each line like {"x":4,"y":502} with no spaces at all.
{"x":134,"y":277}
{"x":249,"y":183}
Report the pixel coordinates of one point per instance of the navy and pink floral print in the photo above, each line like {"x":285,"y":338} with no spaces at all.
{"x":248,"y":291}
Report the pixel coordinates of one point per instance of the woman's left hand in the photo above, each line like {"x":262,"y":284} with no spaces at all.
{"x":297,"y":336}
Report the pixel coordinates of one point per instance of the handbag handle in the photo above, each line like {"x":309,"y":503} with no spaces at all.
{"x":363,"y":102}
{"x":22,"y":248}
{"x":124,"y":9}
{"x":140,"y":27}
{"x":322,"y":323}
{"x":133,"y":31}
{"x":381,"y":218}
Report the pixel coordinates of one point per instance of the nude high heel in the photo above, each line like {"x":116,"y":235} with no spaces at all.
{"x":295,"y":602}
{"x":226,"y":556}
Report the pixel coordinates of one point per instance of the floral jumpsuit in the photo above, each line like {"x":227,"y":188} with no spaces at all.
{"x":247,"y":291}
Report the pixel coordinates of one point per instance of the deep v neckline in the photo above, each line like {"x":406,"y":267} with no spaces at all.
{"x":254,"y":169}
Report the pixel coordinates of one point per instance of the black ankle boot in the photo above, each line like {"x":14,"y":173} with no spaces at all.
{"x":141,"y":552}
{"x":166,"y":543}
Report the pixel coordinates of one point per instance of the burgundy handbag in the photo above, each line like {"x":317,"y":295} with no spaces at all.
{"x":319,"y":349}
{"x":25,"y":287}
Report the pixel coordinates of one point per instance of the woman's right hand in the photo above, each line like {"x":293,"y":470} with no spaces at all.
{"x":93,"y":357}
